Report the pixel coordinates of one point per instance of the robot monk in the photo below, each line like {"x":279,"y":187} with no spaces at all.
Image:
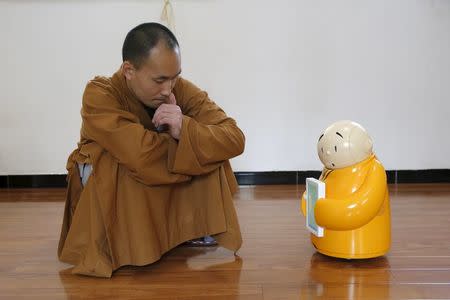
{"x":355,"y":212}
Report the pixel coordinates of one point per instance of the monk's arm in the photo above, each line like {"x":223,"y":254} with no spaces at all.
{"x":208,"y":136}
{"x":143,"y":152}
{"x":356,"y":210}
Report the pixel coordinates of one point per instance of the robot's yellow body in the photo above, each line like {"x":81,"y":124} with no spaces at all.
{"x":355,"y":212}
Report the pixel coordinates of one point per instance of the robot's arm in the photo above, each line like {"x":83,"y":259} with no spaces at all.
{"x":303,"y":204}
{"x":359,"y":209}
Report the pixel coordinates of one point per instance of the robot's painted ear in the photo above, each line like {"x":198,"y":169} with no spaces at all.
{"x":321,"y":136}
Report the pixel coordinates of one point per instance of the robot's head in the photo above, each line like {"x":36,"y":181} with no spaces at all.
{"x":343,"y":144}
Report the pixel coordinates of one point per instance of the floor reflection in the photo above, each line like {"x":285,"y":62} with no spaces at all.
{"x":347,"y":279}
{"x":172,"y":275}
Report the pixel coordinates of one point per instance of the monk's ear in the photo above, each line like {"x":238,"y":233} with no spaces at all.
{"x":128,"y":70}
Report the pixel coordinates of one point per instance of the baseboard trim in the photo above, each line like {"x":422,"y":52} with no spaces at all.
{"x":276,"y":177}
{"x":243,"y":178}
{"x":33,"y":181}
{"x":298,"y":177}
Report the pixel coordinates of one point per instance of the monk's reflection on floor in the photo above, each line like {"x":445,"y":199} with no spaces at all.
{"x":182,"y":264}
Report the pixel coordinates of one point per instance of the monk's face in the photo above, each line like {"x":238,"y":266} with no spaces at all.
{"x":153,"y":81}
{"x":343,"y":144}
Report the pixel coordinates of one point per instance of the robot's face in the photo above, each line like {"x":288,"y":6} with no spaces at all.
{"x":343,"y":144}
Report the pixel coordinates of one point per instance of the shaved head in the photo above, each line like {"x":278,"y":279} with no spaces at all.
{"x":143,"y":38}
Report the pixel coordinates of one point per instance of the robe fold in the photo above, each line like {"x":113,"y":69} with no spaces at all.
{"x":147,"y":192}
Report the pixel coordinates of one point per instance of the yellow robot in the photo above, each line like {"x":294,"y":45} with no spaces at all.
{"x":355,"y":212}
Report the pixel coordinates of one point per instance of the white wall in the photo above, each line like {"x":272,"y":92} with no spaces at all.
{"x":283,"y":69}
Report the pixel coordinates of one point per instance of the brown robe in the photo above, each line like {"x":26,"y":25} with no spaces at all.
{"x":147,"y":192}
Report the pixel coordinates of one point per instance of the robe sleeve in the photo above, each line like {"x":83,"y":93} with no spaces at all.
{"x":355,"y":210}
{"x":208,"y":136}
{"x":143,"y":152}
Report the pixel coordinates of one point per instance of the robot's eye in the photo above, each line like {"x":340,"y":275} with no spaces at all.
{"x":335,"y":149}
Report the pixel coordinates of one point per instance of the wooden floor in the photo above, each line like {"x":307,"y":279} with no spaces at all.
{"x":276,"y":261}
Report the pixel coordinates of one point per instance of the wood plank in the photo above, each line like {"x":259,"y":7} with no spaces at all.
{"x":276,"y":261}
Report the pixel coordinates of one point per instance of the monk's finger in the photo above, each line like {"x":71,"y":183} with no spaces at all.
{"x":162,"y":109}
{"x":172,"y":99}
{"x":158,"y":119}
{"x":168,"y":107}
{"x":169,"y":120}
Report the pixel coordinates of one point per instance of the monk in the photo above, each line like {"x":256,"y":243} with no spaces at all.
{"x":157,"y":150}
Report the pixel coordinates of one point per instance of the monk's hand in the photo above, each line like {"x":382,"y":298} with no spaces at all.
{"x":169,"y":113}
